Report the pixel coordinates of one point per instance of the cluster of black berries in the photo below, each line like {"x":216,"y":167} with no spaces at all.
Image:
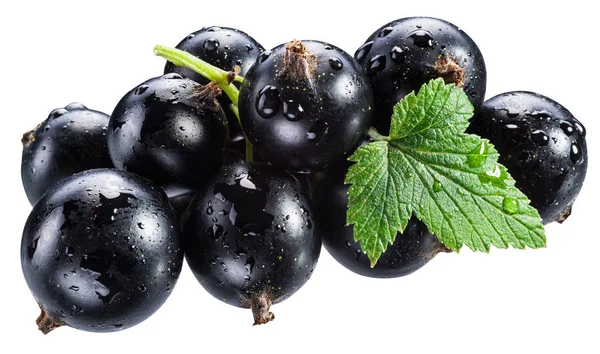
{"x":119,"y":200}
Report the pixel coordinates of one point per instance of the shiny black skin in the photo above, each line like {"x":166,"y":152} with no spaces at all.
{"x":242,"y":242}
{"x":337,"y":108}
{"x":70,"y":140}
{"x":164,"y":131}
{"x":541,"y":144}
{"x":180,"y":197}
{"x":224,"y":48}
{"x":400,"y":57}
{"x":410,"y":251}
{"x":101,"y":251}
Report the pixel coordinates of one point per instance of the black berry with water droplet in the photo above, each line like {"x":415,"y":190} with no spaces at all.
{"x":541,"y":144}
{"x":169,"y":129}
{"x":305,"y":104}
{"x":101,"y":251}
{"x":404,"y":54}
{"x":410,"y":251}
{"x":225,"y":48}
{"x":250,"y":238}
{"x":70,"y":140}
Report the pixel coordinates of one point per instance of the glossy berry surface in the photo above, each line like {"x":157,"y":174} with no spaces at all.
{"x":410,"y":251}
{"x":225,"y":48}
{"x":70,"y":140}
{"x":250,"y":238}
{"x":180,"y":197}
{"x":170,"y":130}
{"x":404,"y":54}
{"x":541,"y":144}
{"x":101,"y":251}
{"x":304,"y":105}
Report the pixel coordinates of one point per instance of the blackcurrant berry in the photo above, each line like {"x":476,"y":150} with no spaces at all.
{"x":304,"y":105}
{"x":411,"y":250}
{"x":404,"y":54}
{"x":541,"y":144}
{"x":101,"y":251}
{"x":180,"y":197}
{"x":250,"y":238}
{"x":169,"y":129}
{"x":70,"y":140}
{"x":225,"y":48}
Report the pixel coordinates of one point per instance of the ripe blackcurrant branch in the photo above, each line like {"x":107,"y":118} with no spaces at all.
{"x":220,"y":77}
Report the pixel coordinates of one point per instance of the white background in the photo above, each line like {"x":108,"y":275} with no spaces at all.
{"x":534,"y":301}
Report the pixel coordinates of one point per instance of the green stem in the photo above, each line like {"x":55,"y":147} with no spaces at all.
{"x":212,"y":73}
{"x":373,"y":134}
{"x":249,"y":154}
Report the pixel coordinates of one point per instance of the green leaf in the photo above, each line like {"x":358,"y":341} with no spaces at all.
{"x":450,"y":180}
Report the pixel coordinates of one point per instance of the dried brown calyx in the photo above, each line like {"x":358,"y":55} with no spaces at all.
{"x":46,"y":322}
{"x":448,"y":69}
{"x":261,"y":305}
{"x":207,"y":96}
{"x":298,"y":63}
{"x":28,"y":138}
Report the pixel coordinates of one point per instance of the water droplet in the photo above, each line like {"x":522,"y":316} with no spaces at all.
{"x":376,"y":65}
{"x":336,"y":63}
{"x":567,"y":127}
{"x":317,"y":132}
{"x":511,"y":126}
{"x":437,"y":186}
{"x":576,"y":156}
{"x":362,"y":52}
{"x":328,"y":47}
{"x":385,"y":31}
{"x":69,"y":251}
{"x":57,"y":113}
{"x":477,"y":158}
{"x":141,"y":288}
{"x":422,"y":38}
{"x":267,"y":102}
{"x":217,"y":231}
{"x":249,"y":265}
{"x":264,"y":56}
{"x":211,"y":44}
{"x":209,"y":210}
{"x":510,"y":205}
{"x":75,"y":106}
{"x":141,"y":225}
{"x":172,"y":76}
{"x":74,"y":288}
{"x":190,"y":36}
{"x":540,"y":138}
{"x":580,"y":129}
{"x":249,"y":47}
{"x":292,"y":111}
{"x":397,"y":55}
{"x":141,"y":89}
{"x":348,"y":245}
{"x":214,"y":29}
